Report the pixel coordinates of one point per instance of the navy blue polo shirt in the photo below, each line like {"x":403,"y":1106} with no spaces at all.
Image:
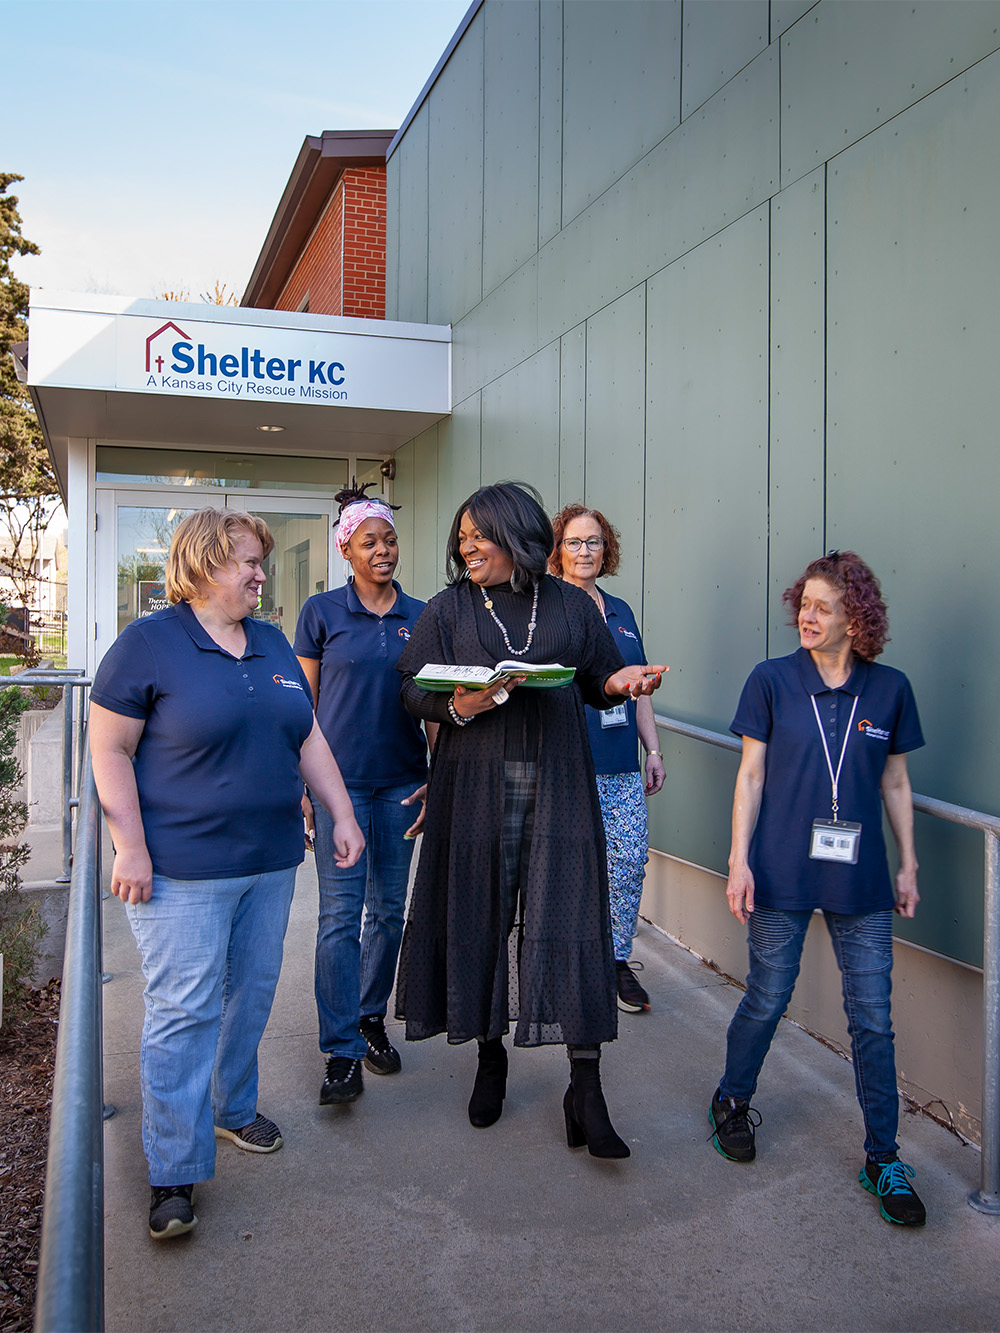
{"x":616,"y":749}
{"x":373,"y":738}
{"x":775,"y":707}
{"x":217,"y":766}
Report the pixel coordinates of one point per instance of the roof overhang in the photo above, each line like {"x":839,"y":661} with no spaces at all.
{"x":319,"y":165}
{"x":117,"y":368}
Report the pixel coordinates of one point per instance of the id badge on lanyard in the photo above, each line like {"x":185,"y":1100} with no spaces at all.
{"x":614,"y":717}
{"x":834,"y":839}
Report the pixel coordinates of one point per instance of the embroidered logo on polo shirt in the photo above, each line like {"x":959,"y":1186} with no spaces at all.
{"x":876,"y":733}
{"x":403,"y":632}
{"x":628,"y":633}
{"x":288,"y":684}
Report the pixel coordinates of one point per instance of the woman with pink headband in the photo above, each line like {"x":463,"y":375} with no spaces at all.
{"x":348,"y":641}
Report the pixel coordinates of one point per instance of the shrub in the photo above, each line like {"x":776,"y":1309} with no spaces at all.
{"x":21,"y":927}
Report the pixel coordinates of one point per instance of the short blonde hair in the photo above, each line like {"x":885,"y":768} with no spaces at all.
{"x":204,"y":542}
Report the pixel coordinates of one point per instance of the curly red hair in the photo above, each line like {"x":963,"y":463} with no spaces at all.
{"x":612,"y":539}
{"x":862,"y":597}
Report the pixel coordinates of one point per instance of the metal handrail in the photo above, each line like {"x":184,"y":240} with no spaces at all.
{"x":70,"y":679}
{"x":986,"y":1199}
{"x":70,"y":1291}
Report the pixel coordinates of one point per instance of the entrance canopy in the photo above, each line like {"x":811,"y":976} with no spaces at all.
{"x":158,"y":372}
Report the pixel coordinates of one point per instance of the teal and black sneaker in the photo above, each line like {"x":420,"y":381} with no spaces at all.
{"x":899,"y":1202}
{"x":733,"y":1124}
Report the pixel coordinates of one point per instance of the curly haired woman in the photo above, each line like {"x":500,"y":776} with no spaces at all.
{"x":825,"y":738}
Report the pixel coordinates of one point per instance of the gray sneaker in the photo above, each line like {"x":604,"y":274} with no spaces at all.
{"x":171,"y":1211}
{"x":261,"y":1135}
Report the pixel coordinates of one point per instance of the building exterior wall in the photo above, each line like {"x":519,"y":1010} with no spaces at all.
{"x":728,"y":271}
{"x":341,"y":270}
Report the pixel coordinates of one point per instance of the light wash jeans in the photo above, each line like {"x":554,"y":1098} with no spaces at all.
{"x":355,"y":971}
{"x":211,"y":955}
{"x":863,"y":945}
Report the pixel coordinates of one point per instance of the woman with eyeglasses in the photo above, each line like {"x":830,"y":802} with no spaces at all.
{"x":509,"y":914}
{"x":586,"y":547}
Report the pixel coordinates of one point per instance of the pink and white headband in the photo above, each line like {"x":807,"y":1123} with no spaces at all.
{"x":355,"y":514}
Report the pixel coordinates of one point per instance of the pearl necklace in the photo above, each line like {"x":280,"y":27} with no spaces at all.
{"x":516,"y":652}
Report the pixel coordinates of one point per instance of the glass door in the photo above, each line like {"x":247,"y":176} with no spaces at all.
{"x":300,"y":563}
{"x":133,"y":538}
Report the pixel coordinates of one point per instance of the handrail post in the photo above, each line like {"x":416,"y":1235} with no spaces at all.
{"x":67,"y":810}
{"x":986,"y":1199}
{"x":70,"y":1291}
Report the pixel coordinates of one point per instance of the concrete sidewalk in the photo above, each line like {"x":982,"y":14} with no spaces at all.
{"x":394,"y":1213}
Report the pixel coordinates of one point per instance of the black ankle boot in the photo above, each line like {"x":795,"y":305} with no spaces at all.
{"x":490,"y":1088}
{"x":586,"y":1112}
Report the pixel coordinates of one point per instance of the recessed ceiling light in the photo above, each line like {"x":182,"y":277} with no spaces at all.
{"x":270,"y":429}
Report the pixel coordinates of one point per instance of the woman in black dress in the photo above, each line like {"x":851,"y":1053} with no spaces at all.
{"x":513,"y":835}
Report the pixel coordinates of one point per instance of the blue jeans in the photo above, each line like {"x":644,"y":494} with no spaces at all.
{"x":355,"y":971}
{"x":211,"y":955}
{"x":863,"y":946}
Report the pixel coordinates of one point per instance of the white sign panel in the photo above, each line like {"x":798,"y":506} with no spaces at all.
{"x":254,"y":363}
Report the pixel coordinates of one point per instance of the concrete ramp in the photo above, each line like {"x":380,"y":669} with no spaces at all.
{"x":395,"y":1214}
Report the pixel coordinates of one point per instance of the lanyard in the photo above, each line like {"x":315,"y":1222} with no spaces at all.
{"x":834,"y":777}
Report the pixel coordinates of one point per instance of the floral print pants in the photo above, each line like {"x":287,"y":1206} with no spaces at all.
{"x":623,"y":807}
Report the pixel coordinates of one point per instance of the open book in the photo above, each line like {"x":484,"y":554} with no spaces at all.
{"x":549,"y":675}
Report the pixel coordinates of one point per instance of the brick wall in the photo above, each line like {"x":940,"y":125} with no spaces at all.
{"x":342,"y":265}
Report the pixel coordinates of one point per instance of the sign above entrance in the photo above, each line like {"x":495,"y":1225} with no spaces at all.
{"x":268,"y":357}
{"x":278,"y":365}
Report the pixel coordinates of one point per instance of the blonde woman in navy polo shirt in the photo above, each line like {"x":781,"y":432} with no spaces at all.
{"x":825,"y":738}
{"x":587,"y":546}
{"x":190,"y":707}
{"x":348,"y":641}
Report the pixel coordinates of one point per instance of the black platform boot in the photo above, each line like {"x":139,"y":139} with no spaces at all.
{"x":587,"y":1120}
{"x":490,"y":1088}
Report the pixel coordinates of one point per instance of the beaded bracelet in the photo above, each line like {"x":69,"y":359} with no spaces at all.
{"x":455,"y":715}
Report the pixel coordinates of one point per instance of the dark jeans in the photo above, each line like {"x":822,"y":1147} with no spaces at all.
{"x":863,"y":945}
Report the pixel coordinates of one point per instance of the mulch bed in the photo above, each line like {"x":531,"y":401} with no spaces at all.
{"x":27,"y":1060}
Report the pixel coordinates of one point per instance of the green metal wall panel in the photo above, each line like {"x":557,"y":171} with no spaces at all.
{"x":425,"y":579}
{"x":572,"y":414}
{"x":913,"y":470}
{"x":510,"y":176}
{"x":719,"y":165}
{"x":521,"y":424}
{"x":402,"y":495}
{"x":411,"y":259}
{"x":852,"y":67}
{"x":459,"y":468}
{"x":720,"y":37}
{"x":616,"y":422}
{"x":691,"y":816}
{"x":392,"y":170}
{"x":786,"y":12}
{"x":499,"y":333}
{"x":621,"y":67}
{"x":550,"y":79}
{"x":798,"y":351}
{"x":706,"y":492}
{"x":455,"y":182}
{"x":706,"y":513}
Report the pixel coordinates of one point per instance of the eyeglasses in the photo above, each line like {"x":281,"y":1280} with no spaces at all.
{"x":574,"y":543}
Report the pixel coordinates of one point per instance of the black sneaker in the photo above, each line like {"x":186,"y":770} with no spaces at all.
{"x":171,"y":1211}
{"x":343,"y":1082}
{"x":733,"y":1123}
{"x":898,"y":1201}
{"x":261,"y":1135}
{"x":382,"y":1057}
{"x":632,"y":998}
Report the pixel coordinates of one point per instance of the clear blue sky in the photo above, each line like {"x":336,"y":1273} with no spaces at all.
{"x":156,"y":136}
